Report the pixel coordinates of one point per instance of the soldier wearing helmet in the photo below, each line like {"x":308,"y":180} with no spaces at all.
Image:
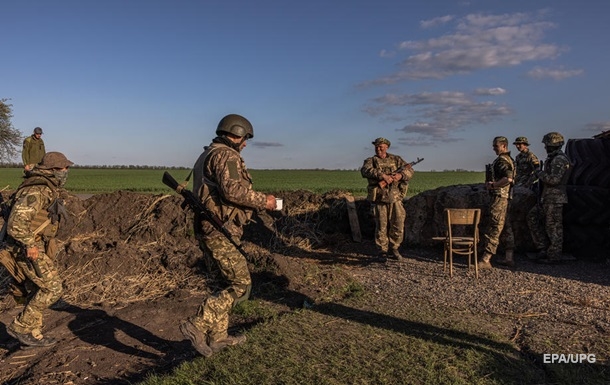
{"x":526,"y":163}
{"x":386,"y":198}
{"x":545,"y":219}
{"x":224,"y":185}
{"x":29,"y":257}
{"x":33,"y":149}
{"x":500,"y":229}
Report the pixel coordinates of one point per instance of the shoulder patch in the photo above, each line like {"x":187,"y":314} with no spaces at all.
{"x":31,"y":200}
{"x":232,"y":166}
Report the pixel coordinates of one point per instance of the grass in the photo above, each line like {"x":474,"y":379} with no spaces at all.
{"x":352,"y":342}
{"x":93,"y":181}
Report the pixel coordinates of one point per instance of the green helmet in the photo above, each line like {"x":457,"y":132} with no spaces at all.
{"x":553,"y":139}
{"x":521,"y":140}
{"x":236,"y":125}
{"x":54,"y":160}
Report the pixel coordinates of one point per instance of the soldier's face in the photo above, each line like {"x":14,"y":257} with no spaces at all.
{"x":521,"y":147}
{"x":381,"y":150}
{"x":499,"y":148}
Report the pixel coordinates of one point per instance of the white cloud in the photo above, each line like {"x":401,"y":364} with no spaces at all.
{"x":436,"y":21}
{"x":555,"y":74}
{"x":437,"y":115}
{"x":477,"y":41}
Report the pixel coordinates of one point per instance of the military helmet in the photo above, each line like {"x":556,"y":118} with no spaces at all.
{"x":553,"y":139}
{"x":521,"y":140}
{"x":54,"y":160}
{"x":379,"y":141}
{"x":236,"y":125}
{"x":38,"y":130}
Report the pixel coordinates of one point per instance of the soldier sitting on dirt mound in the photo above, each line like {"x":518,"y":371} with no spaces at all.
{"x":223,"y":184}
{"x":30,"y":247}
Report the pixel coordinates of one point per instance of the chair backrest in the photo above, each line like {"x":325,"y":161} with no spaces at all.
{"x":463,"y":217}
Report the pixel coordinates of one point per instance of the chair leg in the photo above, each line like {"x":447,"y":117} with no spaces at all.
{"x":451,"y":263}
{"x":476,"y":263}
{"x":445,"y":259}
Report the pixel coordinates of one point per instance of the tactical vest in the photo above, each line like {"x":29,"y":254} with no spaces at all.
{"x":45,"y":223}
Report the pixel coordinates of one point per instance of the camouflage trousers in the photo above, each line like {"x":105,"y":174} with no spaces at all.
{"x":389,"y":225}
{"x":43,"y":287}
{"x":500,"y":228}
{"x":546,"y":227}
{"x":213,"y":314}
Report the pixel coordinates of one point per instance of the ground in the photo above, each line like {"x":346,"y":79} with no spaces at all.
{"x":132,"y":270}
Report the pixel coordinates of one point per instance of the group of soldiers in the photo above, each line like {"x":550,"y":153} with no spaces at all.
{"x":222,"y":183}
{"x":388,"y":177}
{"x":545,"y":218}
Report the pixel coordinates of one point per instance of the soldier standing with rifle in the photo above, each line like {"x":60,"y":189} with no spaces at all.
{"x":223,"y":187}
{"x":545,"y":219}
{"x":29,"y":252}
{"x":499,"y":180}
{"x":526,"y":163}
{"x":388,"y":177}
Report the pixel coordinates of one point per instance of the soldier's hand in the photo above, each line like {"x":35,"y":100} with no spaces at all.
{"x":489,"y":185}
{"x":397,"y":177}
{"x":32,"y":253}
{"x":271,"y":203}
{"x":387,"y":178}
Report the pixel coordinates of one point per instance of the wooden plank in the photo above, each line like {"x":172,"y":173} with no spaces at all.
{"x":353,"y":218}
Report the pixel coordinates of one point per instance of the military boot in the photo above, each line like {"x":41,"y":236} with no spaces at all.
{"x":508,"y":260}
{"x":485,"y":263}
{"x":218,"y":341}
{"x":395,"y":255}
{"x":35,"y":339}
{"x":198,"y":338}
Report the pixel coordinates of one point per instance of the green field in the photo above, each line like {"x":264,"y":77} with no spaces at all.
{"x":100,"y":180}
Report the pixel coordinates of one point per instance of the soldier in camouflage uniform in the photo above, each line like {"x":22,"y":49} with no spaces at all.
{"x":545,"y":219}
{"x":526,"y":163}
{"x":29,"y":254}
{"x":499,"y":187}
{"x":223,"y":184}
{"x":388,"y":177}
{"x":33,"y":149}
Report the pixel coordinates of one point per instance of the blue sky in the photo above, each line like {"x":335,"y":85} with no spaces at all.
{"x":146,"y":82}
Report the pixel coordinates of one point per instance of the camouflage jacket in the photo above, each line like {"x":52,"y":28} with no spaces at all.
{"x":224,"y":185}
{"x":526,"y":164}
{"x":33,"y":150}
{"x":375,"y":167}
{"x":29,"y":218}
{"x":503,"y":166}
{"x":554,"y":177}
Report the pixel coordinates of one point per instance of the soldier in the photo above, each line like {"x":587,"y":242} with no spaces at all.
{"x":545,"y":219}
{"x":388,"y":177}
{"x":33,"y":149}
{"x":499,"y":187}
{"x":223,"y":184}
{"x":526,"y":163}
{"x":29,"y":255}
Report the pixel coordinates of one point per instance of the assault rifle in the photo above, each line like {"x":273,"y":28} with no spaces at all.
{"x":198,"y":208}
{"x":383,"y":183}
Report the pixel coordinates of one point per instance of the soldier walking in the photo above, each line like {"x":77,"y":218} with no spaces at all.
{"x":224,"y":186}
{"x":29,"y":253}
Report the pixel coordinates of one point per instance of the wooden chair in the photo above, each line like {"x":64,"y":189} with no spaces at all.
{"x":468,"y":220}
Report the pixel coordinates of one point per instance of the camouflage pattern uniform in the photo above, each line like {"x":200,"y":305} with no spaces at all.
{"x":33,"y":151}
{"x":222,"y":182}
{"x":526,"y":164}
{"x":545,"y":220}
{"x":500,"y":228}
{"x":388,"y":208}
{"x":39,"y":279}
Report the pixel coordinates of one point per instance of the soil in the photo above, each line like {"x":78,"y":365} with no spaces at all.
{"x":132,"y":270}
